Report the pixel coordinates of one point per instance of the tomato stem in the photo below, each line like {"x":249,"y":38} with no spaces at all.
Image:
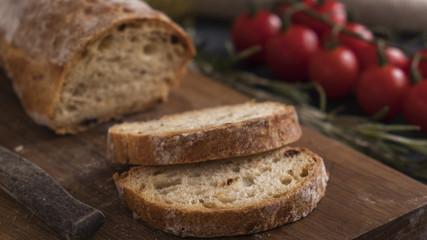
{"x":320,"y":17}
{"x":424,"y":39}
{"x":350,"y":15}
{"x":382,"y":59}
{"x":252,"y":8}
{"x":324,"y":19}
{"x":415,"y":73}
{"x":380,"y":140}
{"x":333,"y":42}
{"x":320,"y":2}
{"x":287,"y":16}
{"x":385,"y":33}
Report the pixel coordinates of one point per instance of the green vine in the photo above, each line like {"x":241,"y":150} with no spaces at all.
{"x":387,"y":143}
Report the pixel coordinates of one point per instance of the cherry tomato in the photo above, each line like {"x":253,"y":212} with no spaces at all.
{"x":368,"y":57}
{"x":379,"y":87}
{"x":422,"y":66}
{"x":355,"y":44}
{"x":334,"y":10}
{"x":288,"y":54}
{"x":336,"y":70}
{"x":282,"y":8}
{"x":248,"y":31}
{"x":415,"y":106}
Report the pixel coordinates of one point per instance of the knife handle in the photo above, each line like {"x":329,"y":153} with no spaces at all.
{"x":49,"y":201}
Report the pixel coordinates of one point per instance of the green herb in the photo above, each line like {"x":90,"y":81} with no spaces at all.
{"x":387,"y":143}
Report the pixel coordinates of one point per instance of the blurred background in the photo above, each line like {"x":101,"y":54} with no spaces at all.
{"x":400,"y":15}
{"x":400,"y":24}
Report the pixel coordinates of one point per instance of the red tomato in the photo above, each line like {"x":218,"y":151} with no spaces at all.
{"x":288,"y":54}
{"x":422,"y":66}
{"x":355,"y":44}
{"x":378,"y":87}
{"x":415,"y":106}
{"x":248,"y":31}
{"x":336,"y":70}
{"x":282,"y":8}
{"x":368,"y":57}
{"x":334,"y":10}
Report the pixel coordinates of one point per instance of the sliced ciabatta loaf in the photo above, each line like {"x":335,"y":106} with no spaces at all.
{"x":208,"y":134}
{"x":77,"y":63}
{"x":226,"y":197}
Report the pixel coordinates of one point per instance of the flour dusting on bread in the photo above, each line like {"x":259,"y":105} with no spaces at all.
{"x":75,"y":64}
{"x":206,"y":134}
{"x":225,"y":197}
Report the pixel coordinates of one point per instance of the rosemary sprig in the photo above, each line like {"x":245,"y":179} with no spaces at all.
{"x":380,"y":141}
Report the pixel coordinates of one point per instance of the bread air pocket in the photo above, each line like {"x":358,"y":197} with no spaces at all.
{"x":77,"y":63}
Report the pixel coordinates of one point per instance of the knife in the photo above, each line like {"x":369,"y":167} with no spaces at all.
{"x":49,"y":201}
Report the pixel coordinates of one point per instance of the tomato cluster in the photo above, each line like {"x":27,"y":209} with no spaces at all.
{"x":317,"y":43}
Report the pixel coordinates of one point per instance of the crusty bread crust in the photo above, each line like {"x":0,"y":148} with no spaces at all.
{"x":297,"y":203}
{"x":76,"y":128}
{"x":41,"y":40}
{"x":209,"y":143}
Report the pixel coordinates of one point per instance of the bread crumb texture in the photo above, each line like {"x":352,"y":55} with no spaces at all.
{"x":207,"y":134}
{"x":202,"y":119}
{"x":133,"y":64}
{"x":270,"y":188}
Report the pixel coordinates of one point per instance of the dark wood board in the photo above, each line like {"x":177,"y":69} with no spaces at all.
{"x":364,"y":199}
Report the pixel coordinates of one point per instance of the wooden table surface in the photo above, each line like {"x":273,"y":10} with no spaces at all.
{"x":364,"y":199}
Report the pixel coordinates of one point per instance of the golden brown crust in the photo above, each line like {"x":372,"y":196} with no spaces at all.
{"x":208,"y":222}
{"x":41,"y":40}
{"x":223,"y":141}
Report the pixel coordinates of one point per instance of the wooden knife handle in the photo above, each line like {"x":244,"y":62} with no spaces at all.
{"x":40,"y":193}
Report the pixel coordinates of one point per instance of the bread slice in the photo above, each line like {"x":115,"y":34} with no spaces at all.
{"x":78,"y":63}
{"x":226,"y":197}
{"x":208,"y":134}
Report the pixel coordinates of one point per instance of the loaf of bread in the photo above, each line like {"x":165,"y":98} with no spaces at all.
{"x":208,"y":134}
{"x":226,"y":197}
{"x":78,"y":63}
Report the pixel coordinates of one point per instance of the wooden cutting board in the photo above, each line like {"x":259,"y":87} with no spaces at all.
{"x":364,"y":199}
